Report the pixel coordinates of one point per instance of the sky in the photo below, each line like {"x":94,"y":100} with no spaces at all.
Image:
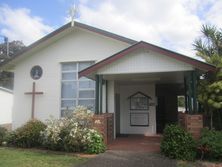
{"x":172,"y":24}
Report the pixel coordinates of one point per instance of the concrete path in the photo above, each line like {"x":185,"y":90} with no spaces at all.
{"x":114,"y":158}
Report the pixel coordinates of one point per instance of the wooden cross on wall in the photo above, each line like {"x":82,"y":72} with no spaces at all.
{"x":33,"y":93}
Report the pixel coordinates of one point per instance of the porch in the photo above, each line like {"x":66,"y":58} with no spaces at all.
{"x":162,"y":108}
{"x":155,"y":77}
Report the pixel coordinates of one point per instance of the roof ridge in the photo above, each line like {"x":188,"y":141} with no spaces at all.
{"x":63,"y":28}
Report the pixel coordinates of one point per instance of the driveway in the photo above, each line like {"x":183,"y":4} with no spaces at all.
{"x":115,"y":158}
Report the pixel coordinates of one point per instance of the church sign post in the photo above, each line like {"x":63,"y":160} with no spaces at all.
{"x":33,"y":93}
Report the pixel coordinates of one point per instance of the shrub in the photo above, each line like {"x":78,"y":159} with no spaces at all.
{"x":211,"y":143}
{"x":10,"y":138}
{"x":72,"y":133}
{"x":3,"y":132}
{"x":27,"y":136}
{"x":177,"y":143}
{"x":95,"y":144}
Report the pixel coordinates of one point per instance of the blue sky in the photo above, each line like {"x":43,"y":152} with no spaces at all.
{"x":173,"y":24}
{"x":53,"y":11}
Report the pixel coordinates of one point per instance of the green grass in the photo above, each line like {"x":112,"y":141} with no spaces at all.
{"x":10,"y":157}
{"x":187,"y":164}
{"x":196,"y":163}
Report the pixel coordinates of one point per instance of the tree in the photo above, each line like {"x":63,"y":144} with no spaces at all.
{"x":209,"y":47}
{"x":14,"y":48}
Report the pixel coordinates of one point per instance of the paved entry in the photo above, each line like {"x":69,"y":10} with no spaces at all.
{"x":114,"y":158}
{"x":132,"y":151}
{"x":136,"y":143}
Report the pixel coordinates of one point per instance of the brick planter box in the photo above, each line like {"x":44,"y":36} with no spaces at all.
{"x":192,"y":123}
{"x":105,"y":125}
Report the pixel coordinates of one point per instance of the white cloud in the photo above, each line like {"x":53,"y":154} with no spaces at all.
{"x":18,"y":24}
{"x":172,"y":24}
{"x":214,"y":16}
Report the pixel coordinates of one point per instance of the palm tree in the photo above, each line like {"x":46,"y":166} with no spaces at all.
{"x":209,"y":46}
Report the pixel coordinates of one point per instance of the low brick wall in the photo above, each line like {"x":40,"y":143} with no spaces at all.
{"x":105,"y":125}
{"x":192,"y":123}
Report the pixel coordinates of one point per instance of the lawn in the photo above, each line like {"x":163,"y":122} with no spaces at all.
{"x":10,"y":157}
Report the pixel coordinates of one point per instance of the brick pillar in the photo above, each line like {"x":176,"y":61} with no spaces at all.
{"x":181,"y":119}
{"x":104,"y":124}
{"x":192,"y":123}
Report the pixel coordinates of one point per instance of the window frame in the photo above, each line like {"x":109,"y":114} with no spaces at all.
{"x":78,"y":89}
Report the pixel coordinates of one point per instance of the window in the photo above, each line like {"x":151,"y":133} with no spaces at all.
{"x":76,"y":91}
{"x":181,"y":104}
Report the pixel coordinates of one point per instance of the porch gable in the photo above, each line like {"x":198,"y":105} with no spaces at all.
{"x":144,"y":61}
{"x":143,"y":46}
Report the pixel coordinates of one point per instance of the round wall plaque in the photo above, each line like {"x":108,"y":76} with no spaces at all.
{"x":36,"y":72}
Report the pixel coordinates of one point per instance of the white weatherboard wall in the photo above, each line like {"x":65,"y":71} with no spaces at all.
{"x":6,"y":100}
{"x":143,"y":61}
{"x":79,"y":45}
{"x":125,"y":92}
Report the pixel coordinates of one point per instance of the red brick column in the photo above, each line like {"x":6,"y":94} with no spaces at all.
{"x":192,"y":123}
{"x":181,"y":119}
{"x":104,"y":124}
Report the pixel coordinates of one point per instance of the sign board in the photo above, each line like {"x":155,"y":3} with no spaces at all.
{"x":139,"y":119}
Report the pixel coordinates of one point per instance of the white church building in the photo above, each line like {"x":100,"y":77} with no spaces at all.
{"x":82,"y":65}
{"x":6,"y":102}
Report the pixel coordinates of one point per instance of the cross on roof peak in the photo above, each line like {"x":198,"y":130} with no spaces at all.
{"x":73,"y":13}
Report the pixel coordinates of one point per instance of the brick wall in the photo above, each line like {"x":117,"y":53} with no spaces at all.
{"x":181,"y":118}
{"x":192,"y":123}
{"x":104,"y":124}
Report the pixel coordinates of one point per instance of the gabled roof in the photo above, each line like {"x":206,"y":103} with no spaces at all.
{"x":196,"y":63}
{"x":64,"y":28}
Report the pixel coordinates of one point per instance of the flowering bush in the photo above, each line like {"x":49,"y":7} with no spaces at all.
{"x":95,"y":144}
{"x":73,"y":133}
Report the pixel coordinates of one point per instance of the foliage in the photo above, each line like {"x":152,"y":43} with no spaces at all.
{"x":177,"y":143}
{"x":14,"y":48}
{"x":212,"y":95}
{"x":10,"y":138}
{"x":27,"y":136}
{"x":211,"y":144}
{"x":3,"y":133}
{"x":6,"y":78}
{"x":11,"y":157}
{"x":181,"y":101}
{"x":209,"y":47}
{"x":96,"y":144}
{"x":72,"y":133}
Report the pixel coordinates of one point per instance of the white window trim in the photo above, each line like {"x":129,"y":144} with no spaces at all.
{"x":77,"y":80}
